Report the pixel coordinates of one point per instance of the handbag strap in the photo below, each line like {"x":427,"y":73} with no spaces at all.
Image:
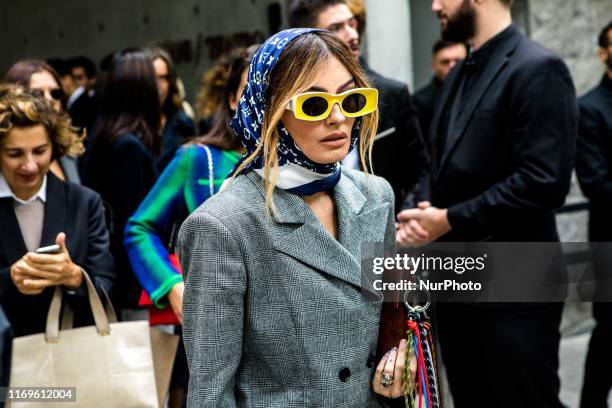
{"x":211,"y":174}
{"x":99,"y":314}
{"x":68,"y":313}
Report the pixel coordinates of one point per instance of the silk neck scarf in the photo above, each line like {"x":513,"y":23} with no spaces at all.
{"x":297,"y":173}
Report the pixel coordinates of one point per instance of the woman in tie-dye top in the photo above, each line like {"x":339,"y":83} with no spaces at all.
{"x":182,"y":187}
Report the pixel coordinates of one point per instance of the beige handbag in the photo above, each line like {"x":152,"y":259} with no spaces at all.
{"x":111,"y":364}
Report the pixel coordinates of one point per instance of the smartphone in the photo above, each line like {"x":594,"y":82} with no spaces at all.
{"x":51,"y":249}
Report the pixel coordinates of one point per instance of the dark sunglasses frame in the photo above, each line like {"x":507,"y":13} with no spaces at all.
{"x":57,"y":94}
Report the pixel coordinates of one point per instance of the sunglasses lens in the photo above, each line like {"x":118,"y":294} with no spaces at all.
{"x":314,"y":106}
{"x":57,"y":94}
{"x":37,"y":93}
{"x":354,"y":103}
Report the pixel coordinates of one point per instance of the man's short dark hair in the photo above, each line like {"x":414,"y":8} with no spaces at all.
{"x":304,"y":13}
{"x":60,"y":66}
{"x":604,"y":36}
{"x":442,"y":44}
{"x":507,"y":3}
{"x":85,"y":63}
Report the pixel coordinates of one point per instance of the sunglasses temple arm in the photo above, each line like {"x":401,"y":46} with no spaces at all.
{"x":291,"y":105}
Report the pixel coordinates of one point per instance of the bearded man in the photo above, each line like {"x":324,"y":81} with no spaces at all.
{"x":502,"y":147}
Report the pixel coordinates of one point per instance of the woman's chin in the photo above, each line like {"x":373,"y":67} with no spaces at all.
{"x":330,"y":156}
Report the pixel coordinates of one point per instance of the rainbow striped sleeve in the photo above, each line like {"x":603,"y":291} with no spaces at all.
{"x":147,"y":232}
{"x":180,"y":189}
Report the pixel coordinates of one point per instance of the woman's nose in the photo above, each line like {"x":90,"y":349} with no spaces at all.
{"x":336,"y":115}
{"x":48,"y":96}
{"x":30,"y":165}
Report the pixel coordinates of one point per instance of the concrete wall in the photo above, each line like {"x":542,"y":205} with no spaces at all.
{"x":193,"y":29}
{"x":389,"y":45}
{"x":425,"y":32}
{"x":570,"y":28}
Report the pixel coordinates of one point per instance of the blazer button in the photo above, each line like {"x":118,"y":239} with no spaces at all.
{"x":344,"y":374}
{"x":370,"y":362}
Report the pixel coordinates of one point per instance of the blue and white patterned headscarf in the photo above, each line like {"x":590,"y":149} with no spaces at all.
{"x":297,"y":173}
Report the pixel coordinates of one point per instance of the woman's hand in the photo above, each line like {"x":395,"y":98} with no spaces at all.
{"x":175,"y":296}
{"x":391,"y":367}
{"x":35,"y":272}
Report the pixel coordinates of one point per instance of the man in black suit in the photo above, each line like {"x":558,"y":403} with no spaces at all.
{"x":502,"y":143}
{"x":83,"y":103}
{"x":398,"y":154}
{"x":593,"y":160}
{"x":445,"y":55}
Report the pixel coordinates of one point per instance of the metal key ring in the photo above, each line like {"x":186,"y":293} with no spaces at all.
{"x":418,"y":308}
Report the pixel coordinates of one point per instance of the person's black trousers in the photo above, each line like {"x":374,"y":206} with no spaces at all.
{"x":502,"y":356}
{"x":598,"y":368}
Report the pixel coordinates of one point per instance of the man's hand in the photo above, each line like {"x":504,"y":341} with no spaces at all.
{"x":421,"y":225}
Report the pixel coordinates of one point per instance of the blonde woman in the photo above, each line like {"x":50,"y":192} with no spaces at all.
{"x":273,"y":311}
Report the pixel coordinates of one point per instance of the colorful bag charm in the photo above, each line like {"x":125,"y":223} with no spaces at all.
{"x":421,"y":346}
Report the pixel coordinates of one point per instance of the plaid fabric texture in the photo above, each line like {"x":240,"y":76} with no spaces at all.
{"x":273,"y":310}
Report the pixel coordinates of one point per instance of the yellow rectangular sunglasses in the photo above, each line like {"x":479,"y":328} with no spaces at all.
{"x":313,"y":106}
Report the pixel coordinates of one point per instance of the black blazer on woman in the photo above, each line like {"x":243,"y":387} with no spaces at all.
{"x":72,"y":209}
{"x":122,"y":171}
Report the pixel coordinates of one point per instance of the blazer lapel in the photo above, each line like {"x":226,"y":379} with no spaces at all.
{"x":11,"y":238}
{"x":359,"y":223}
{"x":449,"y":85}
{"x":495,"y":65}
{"x":55,"y":211}
{"x":302,"y":237}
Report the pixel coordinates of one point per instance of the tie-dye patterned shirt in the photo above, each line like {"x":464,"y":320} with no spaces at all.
{"x":180,"y":189}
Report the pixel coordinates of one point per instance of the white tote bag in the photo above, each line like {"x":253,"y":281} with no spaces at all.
{"x":111,"y":364}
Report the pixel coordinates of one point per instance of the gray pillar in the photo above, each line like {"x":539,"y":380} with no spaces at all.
{"x":389,"y":48}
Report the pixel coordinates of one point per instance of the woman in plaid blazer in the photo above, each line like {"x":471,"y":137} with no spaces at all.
{"x":273,"y":309}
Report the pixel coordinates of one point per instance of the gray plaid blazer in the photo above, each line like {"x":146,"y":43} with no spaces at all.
{"x":273,"y":311}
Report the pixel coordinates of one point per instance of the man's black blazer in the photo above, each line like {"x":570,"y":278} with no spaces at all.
{"x":398,"y":154}
{"x":84,"y":110}
{"x":77,"y":211}
{"x":594,"y":158}
{"x":425,"y":101}
{"x":507,"y":160}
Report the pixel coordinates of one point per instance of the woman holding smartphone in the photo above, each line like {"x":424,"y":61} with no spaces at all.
{"x":273,"y":310}
{"x":37,"y":209}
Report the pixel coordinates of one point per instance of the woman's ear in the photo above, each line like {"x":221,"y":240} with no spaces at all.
{"x":233,"y":101}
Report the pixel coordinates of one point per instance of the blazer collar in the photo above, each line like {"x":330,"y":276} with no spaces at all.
{"x":55,"y":210}
{"x":5,"y":191}
{"x":53,"y":222}
{"x":290,"y":208}
{"x":304,"y":238}
{"x":497,"y":61}
{"x":10,"y":238}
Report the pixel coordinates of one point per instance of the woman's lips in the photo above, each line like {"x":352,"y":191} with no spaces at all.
{"x":28,"y":178}
{"x":335,"y":140}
